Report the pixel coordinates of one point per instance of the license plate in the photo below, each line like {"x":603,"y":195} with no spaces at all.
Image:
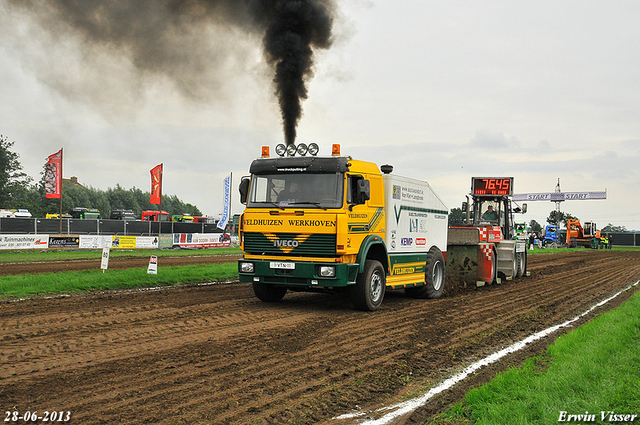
{"x":282,"y":265}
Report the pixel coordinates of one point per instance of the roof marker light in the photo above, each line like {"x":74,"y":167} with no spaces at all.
{"x":335,"y":149}
{"x":302,"y":149}
{"x":291,"y":150}
{"x":265,"y":151}
{"x":313,"y":149}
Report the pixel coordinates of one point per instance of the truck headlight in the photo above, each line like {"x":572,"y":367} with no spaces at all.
{"x":246,"y":267}
{"x":327,"y":271}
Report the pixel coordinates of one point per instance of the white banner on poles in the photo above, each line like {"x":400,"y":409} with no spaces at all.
{"x":224,"y":220}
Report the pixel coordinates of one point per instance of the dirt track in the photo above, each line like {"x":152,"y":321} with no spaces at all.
{"x":216,"y":355}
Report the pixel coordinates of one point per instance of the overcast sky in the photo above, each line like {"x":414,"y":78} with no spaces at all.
{"x":442,"y":90}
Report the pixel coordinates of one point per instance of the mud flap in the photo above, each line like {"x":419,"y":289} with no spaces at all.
{"x":472,"y":264}
{"x":486,"y":259}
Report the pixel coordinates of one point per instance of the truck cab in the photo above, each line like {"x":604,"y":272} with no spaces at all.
{"x":521,"y":231}
{"x":331,"y":224}
{"x":85,"y":213}
{"x":153,"y":215}
{"x":495,"y":212}
{"x":551,"y":235}
{"x":122,"y":215}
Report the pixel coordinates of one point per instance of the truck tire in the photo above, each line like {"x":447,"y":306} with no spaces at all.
{"x":521,"y":264}
{"x":368,"y":292}
{"x":268,"y":293}
{"x":434,"y":277}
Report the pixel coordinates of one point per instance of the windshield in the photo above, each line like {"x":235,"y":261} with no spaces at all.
{"x":488,"y":211}
{"x":295,"y":190}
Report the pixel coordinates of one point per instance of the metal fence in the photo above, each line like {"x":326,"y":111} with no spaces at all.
{"x":71,"y":226}
{"x":625,"y":239}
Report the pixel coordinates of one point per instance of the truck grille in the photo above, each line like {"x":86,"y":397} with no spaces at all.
{"x":317,"y":245}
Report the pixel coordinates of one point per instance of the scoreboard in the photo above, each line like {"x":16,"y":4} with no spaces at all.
{"x":492,"y":186}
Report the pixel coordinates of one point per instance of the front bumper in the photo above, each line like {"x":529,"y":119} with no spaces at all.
{"x":304,"y":274}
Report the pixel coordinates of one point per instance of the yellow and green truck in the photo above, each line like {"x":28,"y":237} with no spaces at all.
{"x":336,"y":224}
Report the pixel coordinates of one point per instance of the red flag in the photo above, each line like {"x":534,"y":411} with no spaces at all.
{"x":156,"y":184}
{"x":53,"y":176}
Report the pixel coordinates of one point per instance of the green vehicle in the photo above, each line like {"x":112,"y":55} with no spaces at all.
{"x":85,"y":213}
{"x":520,"y":231}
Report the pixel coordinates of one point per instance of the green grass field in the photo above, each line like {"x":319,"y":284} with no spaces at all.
{"x":582,"y":249}
{"x":44,"y":284}
{"x":22,"y":286}
{"x":589,"y":375}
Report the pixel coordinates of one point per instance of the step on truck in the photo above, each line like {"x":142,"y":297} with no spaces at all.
{"x":335,"y":224}
{"x":485,"y":249}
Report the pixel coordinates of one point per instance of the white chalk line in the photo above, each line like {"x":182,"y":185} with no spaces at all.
{"x":410,"y":405}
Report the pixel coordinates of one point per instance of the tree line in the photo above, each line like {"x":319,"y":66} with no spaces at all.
{"x":19,"y":191}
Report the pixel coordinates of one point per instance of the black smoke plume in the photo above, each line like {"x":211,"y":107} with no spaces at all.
{"x":169,"y":37}
{"x":295,"y":28}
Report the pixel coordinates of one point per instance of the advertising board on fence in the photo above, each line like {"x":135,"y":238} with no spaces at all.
{"x":64,"y":242}
{"x":123,"y":242}
{"x":183,"y":240}
{"x":147,"y":242}
{"x":24,"y":241}
{"x":165,"y":241}
{"x":94,"y":242}
{"x":201,"y":240}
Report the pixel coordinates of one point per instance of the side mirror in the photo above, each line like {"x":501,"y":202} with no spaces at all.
{"x":524,"y":208}
{"x":364,"y":191}
{"x":244,"y":190}
{"x":464,"y":207}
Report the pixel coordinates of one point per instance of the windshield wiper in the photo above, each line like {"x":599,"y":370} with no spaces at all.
{"x":274,"y":204}
{"x":317,"y":204}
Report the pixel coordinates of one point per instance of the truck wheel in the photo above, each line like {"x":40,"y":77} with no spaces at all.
{"x":268,"y":293}
{"x":433,"y":277}
{"x":368,"y":292}
{"x":521,"y":264}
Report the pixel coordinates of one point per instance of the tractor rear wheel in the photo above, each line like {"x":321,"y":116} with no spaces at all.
{"x":494,"y":268}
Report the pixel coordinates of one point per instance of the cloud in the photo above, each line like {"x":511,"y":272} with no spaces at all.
{"x":485,"y":139}
{"x":109,"y":54}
